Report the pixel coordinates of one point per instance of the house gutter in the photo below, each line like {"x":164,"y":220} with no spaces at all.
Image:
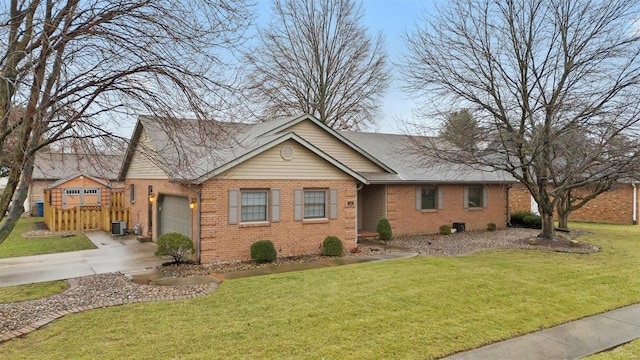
{"x":635,"y":203}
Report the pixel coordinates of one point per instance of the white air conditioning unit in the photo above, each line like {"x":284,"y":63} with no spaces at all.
{"x":118,"y":227}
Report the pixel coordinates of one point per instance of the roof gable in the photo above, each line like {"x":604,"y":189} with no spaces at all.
{"x":277,"y":141}
{"x":288,"y":123}
{"x":72,"y":177}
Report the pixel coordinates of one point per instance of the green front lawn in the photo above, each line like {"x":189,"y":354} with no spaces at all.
{"x":16,"y":245}
{"x":31,"y":291}
{"x":418,"y":308}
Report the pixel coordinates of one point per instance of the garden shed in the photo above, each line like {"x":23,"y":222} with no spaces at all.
{"x":79,"y":190}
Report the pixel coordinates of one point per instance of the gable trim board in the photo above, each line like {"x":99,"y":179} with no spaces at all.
{"x":67,"y":179}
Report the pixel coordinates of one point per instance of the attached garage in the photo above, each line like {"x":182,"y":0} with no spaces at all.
{"x":174,"y":215}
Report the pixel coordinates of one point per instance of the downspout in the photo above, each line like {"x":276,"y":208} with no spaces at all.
{"x":198,"y":225}
{"x":358,"y":188}
{"x":508,"y":212}
{"x":635,"y":203}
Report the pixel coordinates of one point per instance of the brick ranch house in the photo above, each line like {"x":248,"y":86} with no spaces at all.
{"x":295,"y":181}
{"x":619,"y":205}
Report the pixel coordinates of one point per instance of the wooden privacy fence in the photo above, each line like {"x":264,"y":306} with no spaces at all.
{"x":84,"y":217}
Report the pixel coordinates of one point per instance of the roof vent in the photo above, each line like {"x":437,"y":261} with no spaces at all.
{"x":287,"y":152}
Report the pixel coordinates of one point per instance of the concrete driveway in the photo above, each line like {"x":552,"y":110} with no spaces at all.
{"x":125,"y":256}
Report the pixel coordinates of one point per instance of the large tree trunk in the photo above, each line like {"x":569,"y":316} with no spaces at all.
{"x":547,"y":226}
{"x":17,"y":208}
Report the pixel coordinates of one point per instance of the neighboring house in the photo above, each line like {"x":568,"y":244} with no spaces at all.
{"x":50,"y":168}
{"x":295,"y":181}
{"x":619,"y":205}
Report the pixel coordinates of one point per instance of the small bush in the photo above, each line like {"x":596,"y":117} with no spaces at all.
{"x":176,"y":245}
{"x":445,"y":229}
{"x":263,"y":251}
{"x":517,"y":218}
{"x":332,"y":246}
{"x":533,"y":221}
{"x":532,"y":241}
{"x":574,"y":243}
{"x":491,"y":227}
{"x":384,"y":230}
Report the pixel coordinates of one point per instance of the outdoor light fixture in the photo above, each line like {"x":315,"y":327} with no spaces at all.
{"x":152,"y":197}
{"x":192,"y":203}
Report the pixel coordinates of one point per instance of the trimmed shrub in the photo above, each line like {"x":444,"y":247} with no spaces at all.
{"x":263,"y":251}
{"x":532,"y":241}
{"x":574,"y":243}
{"x":445,"y":229}
{"x":491,"y":227}
{"x":176,"y":245}
{"x":517,"y":218}
{"x":533,"y":221}
{"x":384,"y":230}
{"x":332,"y":246}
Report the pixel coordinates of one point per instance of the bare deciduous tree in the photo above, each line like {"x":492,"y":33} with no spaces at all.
{"x":316,"y":57}
{"x":532,"y":71}
{"x":72,"y":68}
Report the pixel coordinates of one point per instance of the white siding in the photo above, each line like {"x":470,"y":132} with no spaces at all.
{"x":141,"y":166}
{"x":305,"y":165}
{"x":334,"y":147}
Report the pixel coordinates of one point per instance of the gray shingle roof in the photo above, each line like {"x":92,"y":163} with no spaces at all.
{"x":398,"y":152}
{"x":189,"y":153}
{"x":56,"y":166}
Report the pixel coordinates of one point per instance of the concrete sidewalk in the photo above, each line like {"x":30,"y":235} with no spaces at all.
{"x":111,"y":256}
{"x":572,"y":340}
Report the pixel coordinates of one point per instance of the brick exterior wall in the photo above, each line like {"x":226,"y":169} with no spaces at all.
{"x":36,"y":192}
{"x":612,"y":207}
{"x":405,"y":219}
{"x":519,"y":199}
{"x":222,"y":241}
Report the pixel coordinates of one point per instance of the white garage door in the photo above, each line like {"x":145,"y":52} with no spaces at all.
{"x":174,"y":215}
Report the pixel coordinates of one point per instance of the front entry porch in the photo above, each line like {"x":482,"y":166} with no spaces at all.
{"x":372,"y":206}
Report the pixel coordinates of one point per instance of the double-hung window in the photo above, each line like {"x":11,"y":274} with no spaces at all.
{"x":253,"y":205}
{"x":315,"y":204}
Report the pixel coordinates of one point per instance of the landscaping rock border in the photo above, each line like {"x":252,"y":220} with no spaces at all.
{"x":86,"y":293}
